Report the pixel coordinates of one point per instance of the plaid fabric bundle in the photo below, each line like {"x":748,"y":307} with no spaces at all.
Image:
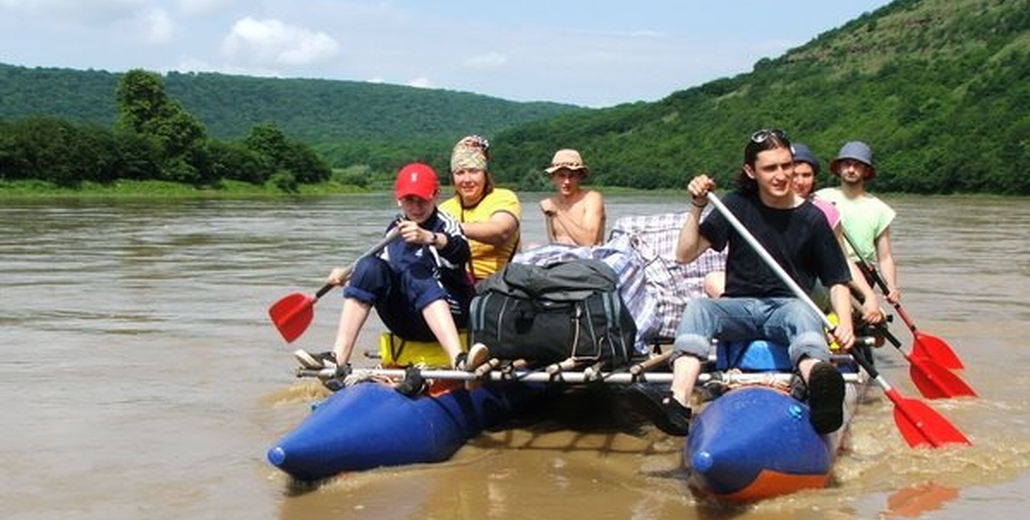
{"x":655,"y":287}
{"x":668,"y":282}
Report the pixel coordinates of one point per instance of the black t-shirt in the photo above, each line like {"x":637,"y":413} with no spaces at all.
{"x":799,"y":239}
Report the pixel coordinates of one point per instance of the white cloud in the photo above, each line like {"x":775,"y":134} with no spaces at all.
{"x":272,"y":42}
{"x":421,"y":82}
{"x":490,"y":60}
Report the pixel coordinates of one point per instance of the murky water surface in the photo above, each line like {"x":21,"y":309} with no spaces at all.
{"x":142,"y":378}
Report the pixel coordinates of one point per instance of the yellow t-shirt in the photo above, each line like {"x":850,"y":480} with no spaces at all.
{"x":487,"y":258}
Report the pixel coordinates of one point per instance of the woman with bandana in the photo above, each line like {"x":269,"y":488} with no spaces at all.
{"x":490,"y":217}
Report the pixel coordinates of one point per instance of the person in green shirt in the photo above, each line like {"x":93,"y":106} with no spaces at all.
{"x":865,"y":218}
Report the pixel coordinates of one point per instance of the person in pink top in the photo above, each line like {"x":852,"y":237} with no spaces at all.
{"x":806,"y":171}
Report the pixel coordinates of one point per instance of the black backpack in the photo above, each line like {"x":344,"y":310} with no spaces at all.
{"x":547,"y":314}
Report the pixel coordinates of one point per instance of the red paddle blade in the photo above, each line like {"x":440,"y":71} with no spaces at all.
{"x":921,"y":425}
{"x":291,"y":315}
{"x":929,"y":346}
{"x":935,"y":381}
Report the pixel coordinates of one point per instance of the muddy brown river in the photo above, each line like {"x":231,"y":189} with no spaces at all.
{"x":141,"y":377}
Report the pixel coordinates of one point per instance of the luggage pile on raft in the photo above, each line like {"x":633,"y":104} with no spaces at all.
{"x":560,"y":316}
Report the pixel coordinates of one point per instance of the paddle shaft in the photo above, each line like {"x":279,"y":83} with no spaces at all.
{"x":382,"y":243}
{"x":870,"y":271}
{"x":379,"y":246}
{"x":769,"y":260}
{"x":650,"y":363}
{"x":785,"y":278}
{"x":775,"y":266}
{"x":292,"y":314}
{"x":931,"y":379}
{"x":346,"y":273}
{"x":867,"y":268}
{"x":925,"y":344}
{"x":881,"y":328}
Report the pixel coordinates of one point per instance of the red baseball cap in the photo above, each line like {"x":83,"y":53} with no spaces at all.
{"x":417,"y":179}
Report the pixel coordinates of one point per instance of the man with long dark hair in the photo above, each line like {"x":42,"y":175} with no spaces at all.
{"x":756,"y":303}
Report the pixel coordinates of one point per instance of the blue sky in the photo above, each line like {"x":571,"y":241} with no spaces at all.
{"x":591,"y":53}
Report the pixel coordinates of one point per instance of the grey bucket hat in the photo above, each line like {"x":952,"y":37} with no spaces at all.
{"x":857,"y":151}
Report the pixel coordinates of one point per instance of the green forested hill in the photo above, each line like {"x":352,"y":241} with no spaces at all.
{"x":939,"y":88}
{"x":311,"y":110}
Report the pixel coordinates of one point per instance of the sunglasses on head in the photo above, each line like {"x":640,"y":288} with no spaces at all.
{"x":762,"y":136}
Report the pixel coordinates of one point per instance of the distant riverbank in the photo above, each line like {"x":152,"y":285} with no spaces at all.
{"x":31,"y":189}
{"x":163,"y":189}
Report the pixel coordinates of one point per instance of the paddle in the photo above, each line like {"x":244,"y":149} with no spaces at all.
{"x":926,"y":345}
{"x":919,"y":424}
{"x":931,"y":379}
{"x":292,"y":314}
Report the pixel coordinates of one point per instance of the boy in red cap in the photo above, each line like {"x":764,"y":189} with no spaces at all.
{"x":417,"y":284}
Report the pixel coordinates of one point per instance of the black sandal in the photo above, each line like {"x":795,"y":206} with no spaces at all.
{"x":826,"y":397}
{"x":413,"y":383}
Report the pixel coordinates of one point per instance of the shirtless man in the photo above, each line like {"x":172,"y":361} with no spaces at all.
{"x":574,"y":216}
